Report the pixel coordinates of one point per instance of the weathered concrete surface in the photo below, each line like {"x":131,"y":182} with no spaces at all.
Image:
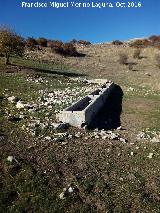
{"x":84,"y":111}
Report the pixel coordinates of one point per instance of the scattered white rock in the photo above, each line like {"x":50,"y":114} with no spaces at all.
{"x":119,"y":128}
{"x":114,"y":136}
{"x":78,"y":135}
{"x":60,"y":126}
{"x":48,"y":138}
{"x":70,"y":189}
{"x":12,"y":99}
{"x":150,"y":135}
{"x":20,"y":105}
{"x":104,"y":137}
{"x":62,"y":194}
{"x":10,"y":158}
{"x":150,"y":155}
{"x":70,"y":136}
{"x":21,"y":116}
{"x":155,"y":140}
{"x":122,"y":140}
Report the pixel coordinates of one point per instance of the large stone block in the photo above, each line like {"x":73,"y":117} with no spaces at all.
{"x":85,"y":110}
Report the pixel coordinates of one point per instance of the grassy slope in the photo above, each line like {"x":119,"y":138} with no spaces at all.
{"x":101,"y":62}
{"x":105,"y":175}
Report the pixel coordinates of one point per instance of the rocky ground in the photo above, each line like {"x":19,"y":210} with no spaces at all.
{"x":48,"y":166}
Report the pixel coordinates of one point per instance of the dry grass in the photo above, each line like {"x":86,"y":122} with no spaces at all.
{"x":137,"y":53}
{"x":123,"y":58}
{"x":105,"y":176}
{"x":157,"y":59}
{"x":102,"y":61}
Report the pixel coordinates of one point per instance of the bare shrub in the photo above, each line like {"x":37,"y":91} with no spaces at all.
{"x":56,"y":46}
{"x":158,"y":46}
{"x":157,"y":59}
{"x":123,"y":58}
{"x":10,"y":44}
{"x":140,"y":43}
{"x":117,"y":42}
{"x":137,"y":53}
{"x":42,"y":42}
{"x":65,"y":49}
{"x":83,"y":42}
{"x":130,"y":66}
{"x":155,"y":40}
{"x":73,"y":41}
{"x":69,"y":49}
{"x":31,"y":43}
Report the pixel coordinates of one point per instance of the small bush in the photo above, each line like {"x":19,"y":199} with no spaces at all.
{"x":123,"y":58}
{"x":10,"y":44}
{"x":158,"y":46}
{"x":65,"y":49}
{"x":130,"y":66}
{"x":56,"y":46}
{"x":42,"y":42}
{"x":137,"y":53}
{"x":157,"y":59}
{"x":69,"y":49}
{"x":53,"y":43}
{"x":31,"y":42}
{"x":83,"y":42}
{"x":154,"y":38}
{"x":73,"y":41}
{"x":140,"y":43}
{"x":117,"y":42}
{"x":155,"y":41}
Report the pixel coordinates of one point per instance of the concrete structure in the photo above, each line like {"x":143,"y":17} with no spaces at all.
{"x":84,"y":111}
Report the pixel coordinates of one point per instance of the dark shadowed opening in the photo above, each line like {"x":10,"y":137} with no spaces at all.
{"x":109,"y":115}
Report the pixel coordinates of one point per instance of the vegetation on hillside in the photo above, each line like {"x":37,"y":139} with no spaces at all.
{"x":44,"y":169}
{"x":10,"y":44}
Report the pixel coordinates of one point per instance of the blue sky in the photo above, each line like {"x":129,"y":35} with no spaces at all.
{"x":95,"y":25}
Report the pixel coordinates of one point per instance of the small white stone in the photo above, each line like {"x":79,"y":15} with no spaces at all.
{"x":155,"y":140}
{"x":70,"y":189}
{"x":21,"y":116}
{"x":49,"y":107}
{"x":10,"y":158}
{"x":78,"y":135}
{"x":104,"y":137}
{"x":132,"y":153}
{"x":19,"y":105}
{"x":122,"y":140}
{"x":70,"y":136}
{"x":48,"y":138}
{"x":119,"y":128}
{"x":114,"y":136}
{"x":150,"y":155}
{"x":11,"y":99}
{"x":23,"y":127}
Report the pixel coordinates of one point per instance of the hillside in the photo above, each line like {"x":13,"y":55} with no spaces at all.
{"x":101,"y":61}
{"x":48,"y":167}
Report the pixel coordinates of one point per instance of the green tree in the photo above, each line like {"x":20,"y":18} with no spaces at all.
{"x":42,"y":42}
{"x":31,"y":43}
{"x":10,"y":44}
